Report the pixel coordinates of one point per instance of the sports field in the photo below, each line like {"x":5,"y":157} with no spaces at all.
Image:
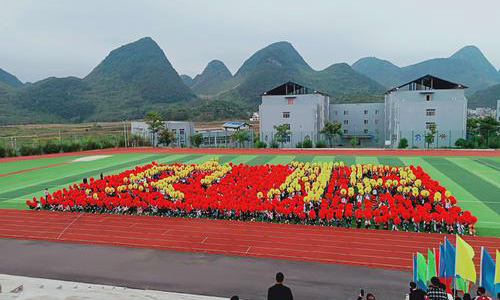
{"x":473,"y":180}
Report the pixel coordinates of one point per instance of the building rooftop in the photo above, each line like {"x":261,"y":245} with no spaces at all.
{"x":235,"y":125}
{"x":291,"y":88}
{"x":428,"y":82}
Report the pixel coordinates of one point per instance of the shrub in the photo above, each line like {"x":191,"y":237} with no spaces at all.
{"x":307,"y":143}
{"x":274,"y":144}
{"x":403,"y":143}
{"x":320,"y":144}
{"x":70,"y":147}
{"x":107,"y":143}
{"x":25,"y":150}
{"x":90,"y":145}
{"x":462,"y":143}
{"x":260,"y":144}
{"x":51,"y":147}
{"x":3,"y":151}
{"x":299,"y":145}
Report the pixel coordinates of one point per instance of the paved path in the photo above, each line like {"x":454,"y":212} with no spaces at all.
{"x":202,"y":274}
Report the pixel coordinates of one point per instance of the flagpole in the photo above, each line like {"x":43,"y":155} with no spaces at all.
{"x":481,"y":268}
{"x":435,"y":264}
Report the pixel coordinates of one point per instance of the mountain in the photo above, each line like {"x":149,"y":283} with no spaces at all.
{"x":9,"y":79}
{"x":188,"y":81}
{"x":485,"y":98}
{"x":131,"y":80}
{"x":280,"y":62}
{"x":212,"y":80}
{"x":467,"y":66}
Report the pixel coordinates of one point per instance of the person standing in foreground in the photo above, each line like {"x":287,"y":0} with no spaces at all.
{"x":279,"y":291}
{"x":481,"y":294}
{"x":436,"y":290}
{"x":416,"y":293}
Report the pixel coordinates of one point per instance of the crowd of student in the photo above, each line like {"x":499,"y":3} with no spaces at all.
{"x":370,"y":196}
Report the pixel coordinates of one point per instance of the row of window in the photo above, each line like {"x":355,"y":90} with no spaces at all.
{"x":346,"y":112}
{"x":365,"y":122}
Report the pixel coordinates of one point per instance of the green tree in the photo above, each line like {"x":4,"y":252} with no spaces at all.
{"x":431,"y":134}
{"x":354,"y":142}
{"x":488,"y":128}
{"x":166,"y":137}
{"x":196,"y":139}
{"x":282,"y":133}
{"x":403,"y":143}
{"x":240,"y":136}
{"x":153,"y":119}
{"x":330,"y":130}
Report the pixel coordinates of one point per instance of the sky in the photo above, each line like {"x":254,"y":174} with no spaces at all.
{"x":39,"y":39}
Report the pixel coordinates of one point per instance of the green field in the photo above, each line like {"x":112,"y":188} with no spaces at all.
{"x":474,"y":181}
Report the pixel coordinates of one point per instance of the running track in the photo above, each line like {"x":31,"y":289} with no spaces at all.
{"x":253,"y":151}
{"x":371,"y":248}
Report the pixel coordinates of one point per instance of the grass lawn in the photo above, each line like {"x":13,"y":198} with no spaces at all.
{"x":474,"y":181}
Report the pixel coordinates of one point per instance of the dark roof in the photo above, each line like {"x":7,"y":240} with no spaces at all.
{"x":429,"y":82}
{"x":292,"y":88}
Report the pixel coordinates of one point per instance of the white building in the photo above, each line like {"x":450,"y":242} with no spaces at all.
{"x":411,"y":109}
{"x":181,"y":130}
{"x":303,"y":110}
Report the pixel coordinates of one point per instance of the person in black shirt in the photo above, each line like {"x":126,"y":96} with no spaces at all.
{"x":279,"y":291}
{"x":416,"y":293}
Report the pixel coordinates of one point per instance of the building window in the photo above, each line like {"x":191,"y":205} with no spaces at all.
{"x":346,"y":122}
{"x":290,"y":101}
{"x":376,"y":111}
{"x":181,"y":131}
{"x":430,"y":112}
{"x":428,"y":125}
{"x":365,"y":122}
{"x":286,"y":114}
{"x":346,"y":112}
{"x":366,"y":131}
{"x":366,"y":112}
{"x":376,"y":122}
{"x":345,"y":131}
{"x":428,"y":97}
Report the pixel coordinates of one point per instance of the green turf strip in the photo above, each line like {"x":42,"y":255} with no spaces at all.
{"x":495,"y":165}
{"x":367,"y":160}
{"x":243,"y":159}
{"x":281,"y":159}
{"x":488,"y":223}
{"x":260,"y":160}
{"x":390,"y":161}
{"x":15,"y":166}
{"x":324,"y":158}
{"x":348,"y":160}
{"x":26,"y":190}
{"x":226,"y":158}
{"x":477,"y":186}
{"x":483,"y":171}
{"x":304,"y":158}
{"x":201,"y":159}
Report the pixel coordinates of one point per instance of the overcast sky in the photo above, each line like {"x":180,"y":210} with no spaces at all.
{"x":60,"y":38}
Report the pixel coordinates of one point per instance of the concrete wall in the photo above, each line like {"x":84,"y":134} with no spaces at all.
{"x":364,"y":121}
{"x":406,"y":116}
{"x":307,"y":116}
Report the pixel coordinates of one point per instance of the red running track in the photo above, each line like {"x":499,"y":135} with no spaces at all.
{"x":249,"y":151}
{"x":372,"y":248}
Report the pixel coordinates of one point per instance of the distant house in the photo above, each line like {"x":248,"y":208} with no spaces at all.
{"x":413,"y":108}
{"x":236,"y":126}
{"x":181,"y":131}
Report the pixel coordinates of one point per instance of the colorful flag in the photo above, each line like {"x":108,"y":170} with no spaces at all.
{"x":431,"y":264}
{"x":449,"y":256}
{"x":442,"y":261}
{"x":464,"y":261}
{"x":497,"y":270}
{"x":421,"y":271}
{"x":487,"y":272}
{"x":462,"y":285}
{"x":415,"y":279}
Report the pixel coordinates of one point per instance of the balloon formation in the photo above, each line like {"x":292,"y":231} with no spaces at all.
{"x":323,"y":193}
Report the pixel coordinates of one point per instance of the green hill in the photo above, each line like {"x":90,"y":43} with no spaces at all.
{"x":467,"y":66}
{"x":485,"y":98}
{"x":212,"y":80}
{"x":9,"y":79}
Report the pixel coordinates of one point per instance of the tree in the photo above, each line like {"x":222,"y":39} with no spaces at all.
{"x":488,"y":127}
{"x":282,"y":133}
{"x":330,"y":130}
{"x":403,"y":143}
{"x":354,"y":142}
{"x":429,"y":136}
{"x":153,"y":119}
{"x":240,"y":136}
{"x":166,"y":137}
{"x":196,"y":139}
